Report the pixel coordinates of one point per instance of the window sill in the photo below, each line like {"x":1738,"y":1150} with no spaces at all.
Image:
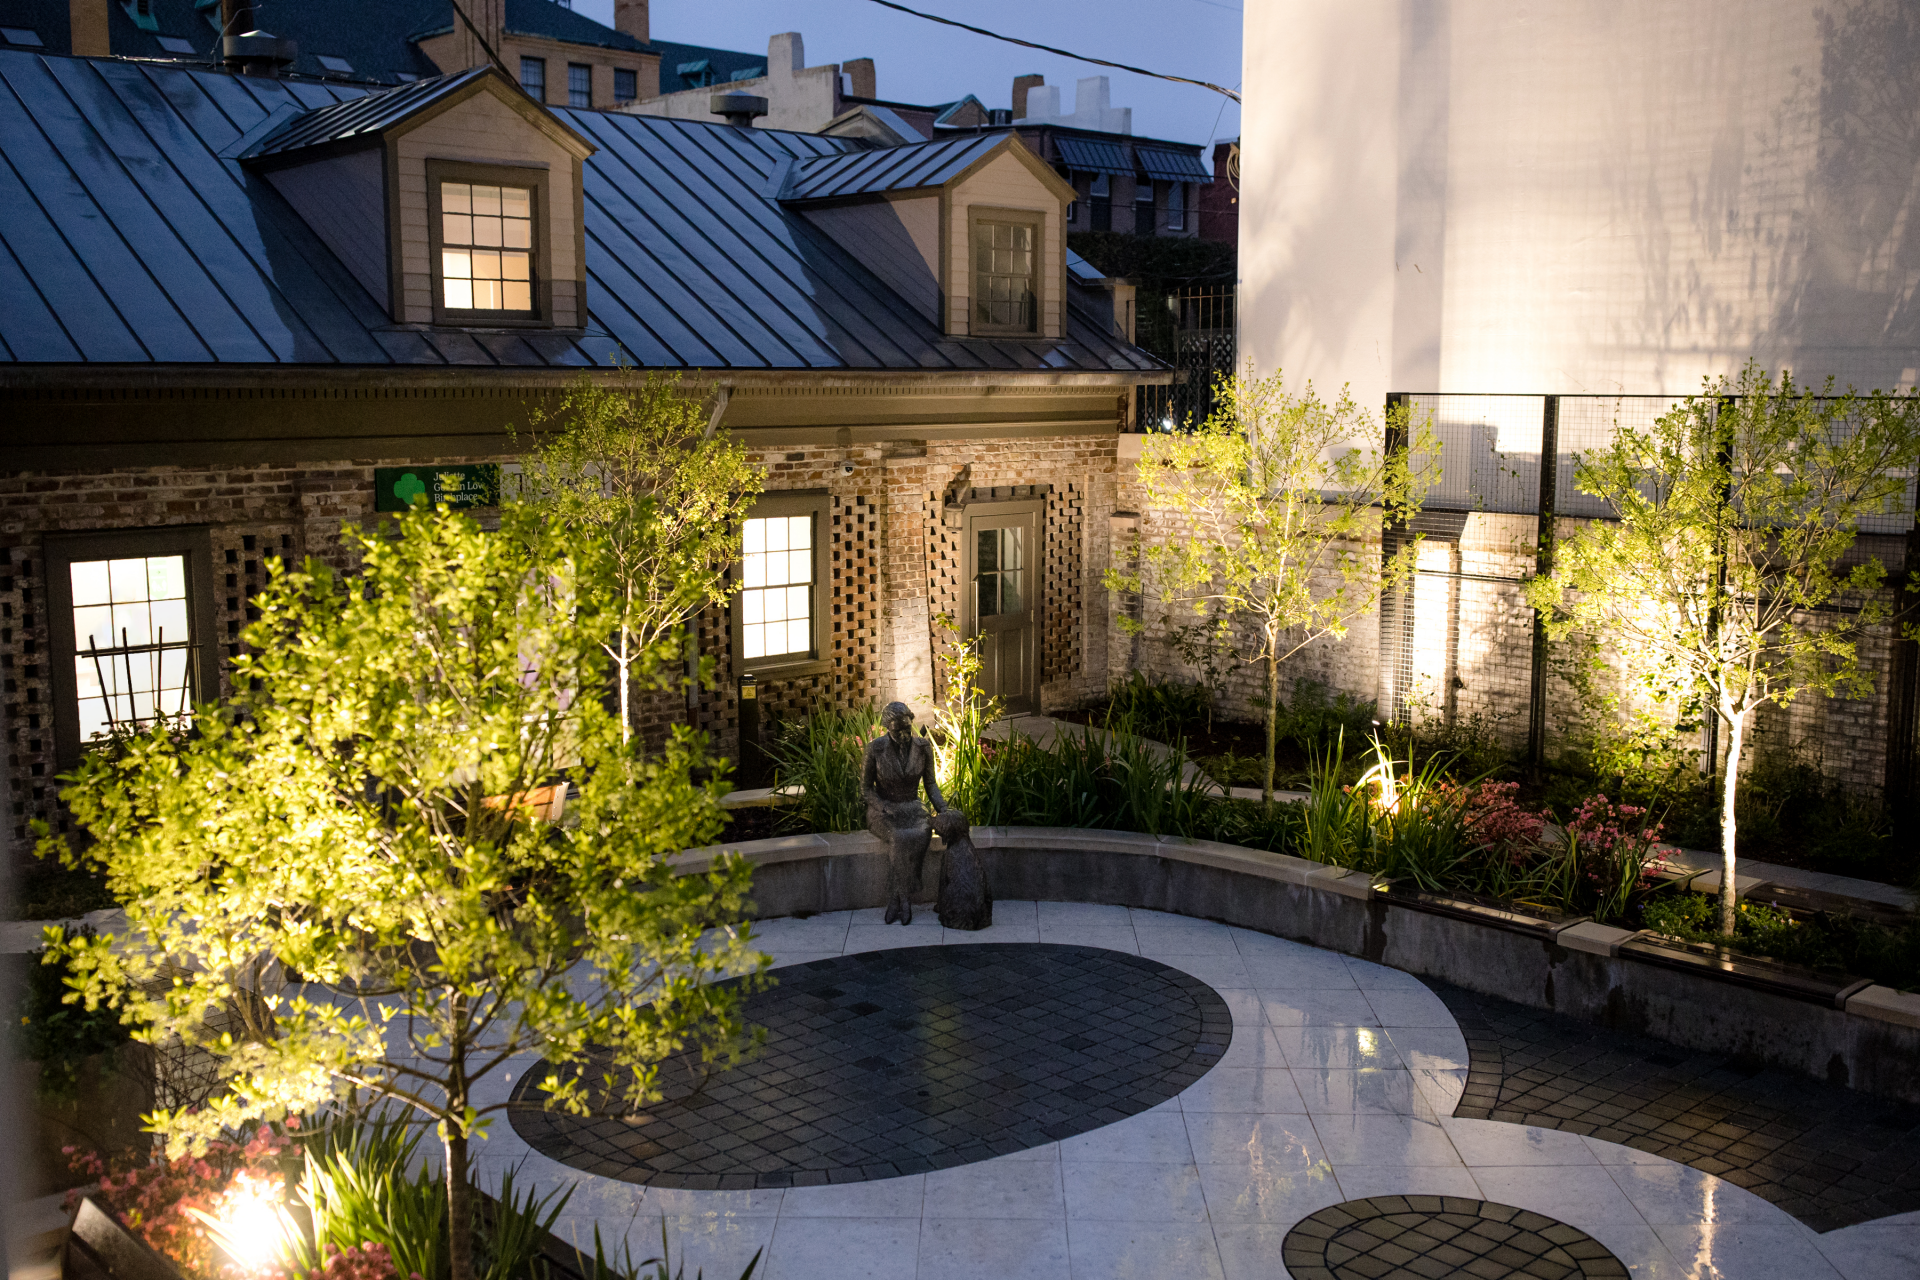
{"x":788,"y":670}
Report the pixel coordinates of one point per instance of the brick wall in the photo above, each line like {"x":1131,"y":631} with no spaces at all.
{"x":1463,"y":636}
{"x":887,"y":564}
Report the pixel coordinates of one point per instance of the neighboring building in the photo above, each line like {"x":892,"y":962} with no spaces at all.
{"x":1219,"y":198}
{"x":798,"y":97}
{"x":561,"y":57}
{"x":1527,"y":199}
{"x":1093,"y":108}
{"x":1142,"y":186}
{"x":229,"y":332}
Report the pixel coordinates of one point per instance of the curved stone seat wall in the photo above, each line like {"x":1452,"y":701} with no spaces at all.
{"x":1872,"y":1045}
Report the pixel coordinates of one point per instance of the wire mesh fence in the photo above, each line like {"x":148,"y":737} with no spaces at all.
{"x":1450,"y":636}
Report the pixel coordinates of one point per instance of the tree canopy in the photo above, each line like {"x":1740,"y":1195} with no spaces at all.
{"x":366,"y":820}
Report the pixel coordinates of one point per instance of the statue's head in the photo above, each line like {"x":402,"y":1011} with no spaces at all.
{"x":897,"y":720}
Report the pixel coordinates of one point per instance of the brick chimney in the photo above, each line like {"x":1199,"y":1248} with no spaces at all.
{"x":630,"y":16}
{"x":1020,"y":86}
{"x":860,"y":75}
{"x":489,"y":19}
{"x":87,"y":21}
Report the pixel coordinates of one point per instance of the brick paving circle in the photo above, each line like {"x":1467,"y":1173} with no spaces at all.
{"x":895,"y":1062}
{"x":1421,"y":1237}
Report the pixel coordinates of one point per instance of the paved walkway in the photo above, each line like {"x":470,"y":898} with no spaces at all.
{"x":1340,"y":1083}
{"x":1829,"y":1156}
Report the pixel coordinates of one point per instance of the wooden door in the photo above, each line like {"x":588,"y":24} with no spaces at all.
{"x":1003,"y":606}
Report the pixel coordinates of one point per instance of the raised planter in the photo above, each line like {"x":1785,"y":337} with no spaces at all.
{"x":1603,"y":975}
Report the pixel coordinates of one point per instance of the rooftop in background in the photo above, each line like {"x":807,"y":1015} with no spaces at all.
{"x":134,"y":236}
{"x":363,"y":41}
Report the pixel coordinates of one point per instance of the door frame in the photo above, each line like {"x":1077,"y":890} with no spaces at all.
{"x":1035,"y":509}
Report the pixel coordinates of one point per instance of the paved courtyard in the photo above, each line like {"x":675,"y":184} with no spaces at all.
{"x":1339,"y":1086}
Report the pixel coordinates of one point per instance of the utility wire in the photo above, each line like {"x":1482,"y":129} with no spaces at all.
{"x":1047,"y":48}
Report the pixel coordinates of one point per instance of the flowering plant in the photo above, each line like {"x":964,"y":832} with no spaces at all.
{"x":161,"y":1200}
{"x":1611,"y":848}
{"x":1495,"y":821}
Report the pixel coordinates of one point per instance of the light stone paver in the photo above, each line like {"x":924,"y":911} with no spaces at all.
{"x":1326,"y":1094}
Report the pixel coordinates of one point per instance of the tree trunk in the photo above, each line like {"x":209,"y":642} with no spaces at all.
{"x":626,"y":687}
{"x":1273,"y":716}
{"x":1728,"y":898}
{"x":459,"y":1205}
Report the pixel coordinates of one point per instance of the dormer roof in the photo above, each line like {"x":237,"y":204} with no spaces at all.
{"x":916,"y":167}
{"x":364,"y":119}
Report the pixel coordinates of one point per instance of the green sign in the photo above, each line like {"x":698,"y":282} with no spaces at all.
{"x":476,"y":485}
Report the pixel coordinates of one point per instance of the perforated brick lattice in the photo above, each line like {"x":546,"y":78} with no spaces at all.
{"x":1422,"y":1237}
{"x":903,"y":1061}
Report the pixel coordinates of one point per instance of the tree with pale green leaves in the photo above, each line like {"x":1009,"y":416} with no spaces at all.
{"x":641,"y":469}
{"x":1276,"y":505}
{"x":1726,"y":574}
{"x":370,"y":817}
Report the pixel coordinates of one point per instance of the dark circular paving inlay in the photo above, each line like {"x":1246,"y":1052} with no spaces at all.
{"x":1420,"y":1237}
{"x":895,"y":1062}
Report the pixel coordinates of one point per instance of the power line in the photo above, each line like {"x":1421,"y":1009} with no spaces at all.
{"x":1047,"y":48}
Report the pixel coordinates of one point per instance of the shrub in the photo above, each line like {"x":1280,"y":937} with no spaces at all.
{"x":1158,"y":709}
{"x":822,"y":754}
{"x":56,"y":1028}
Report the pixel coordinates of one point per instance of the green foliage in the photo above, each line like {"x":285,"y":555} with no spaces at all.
{"x":635,"y":475}
{"x":1725,"y":577}
{"x":1314,"y":721}
{"x":1157,"y":709}
{"x":1277,"y":499}
{"x":1087,"y":778}
{"x":59,"y":1035}
{"x":823,"y":755}
{"x":358,"y":817}
{"x":1834,"y":943}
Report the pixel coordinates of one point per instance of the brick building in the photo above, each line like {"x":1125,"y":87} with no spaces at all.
{"x":243,"y":312}
{"x":560,"y":57}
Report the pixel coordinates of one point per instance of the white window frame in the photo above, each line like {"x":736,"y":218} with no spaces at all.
{"x":817,"y":505}
{"x":61,"y":553}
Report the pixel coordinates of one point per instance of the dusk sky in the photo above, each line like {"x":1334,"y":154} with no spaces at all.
{"x":920,"y":61}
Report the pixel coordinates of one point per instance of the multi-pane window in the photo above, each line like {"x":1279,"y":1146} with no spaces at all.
{"x":626,"y":85}
{"x":579,"y":85}
{"x":1000,"y":560}
{"x":533,"y":78}
{"x":1003,"y":275}
{"x":132,"y":642}
{"x":486,"y":247}
{"x":776,"y":578}
{"x":1176,"y":206}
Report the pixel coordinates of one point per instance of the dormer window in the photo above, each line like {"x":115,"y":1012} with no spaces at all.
{"x":486,"y":247}
{"x":488,"y":243}
{"x":1004,"y":253}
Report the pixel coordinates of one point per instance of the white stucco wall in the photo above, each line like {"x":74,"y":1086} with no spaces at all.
{"x":1580,"y":195}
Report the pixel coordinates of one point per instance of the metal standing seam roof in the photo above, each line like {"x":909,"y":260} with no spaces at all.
{"x":363,"y":116}
{"x":1093,"y":155}
{"x":907,"y":168}
{"x":128,"y":235}
{"x":1171,"y":166}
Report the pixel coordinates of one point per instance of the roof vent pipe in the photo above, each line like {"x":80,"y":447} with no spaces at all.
{"x":740,"y":109}
{"x":246,"y":49}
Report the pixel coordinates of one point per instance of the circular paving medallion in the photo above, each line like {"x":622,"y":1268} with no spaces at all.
{"x":895,"y":1062}
{"x":1419,"y":1237}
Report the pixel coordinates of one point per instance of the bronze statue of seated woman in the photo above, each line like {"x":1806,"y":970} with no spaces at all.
{"x":896,"y":766}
